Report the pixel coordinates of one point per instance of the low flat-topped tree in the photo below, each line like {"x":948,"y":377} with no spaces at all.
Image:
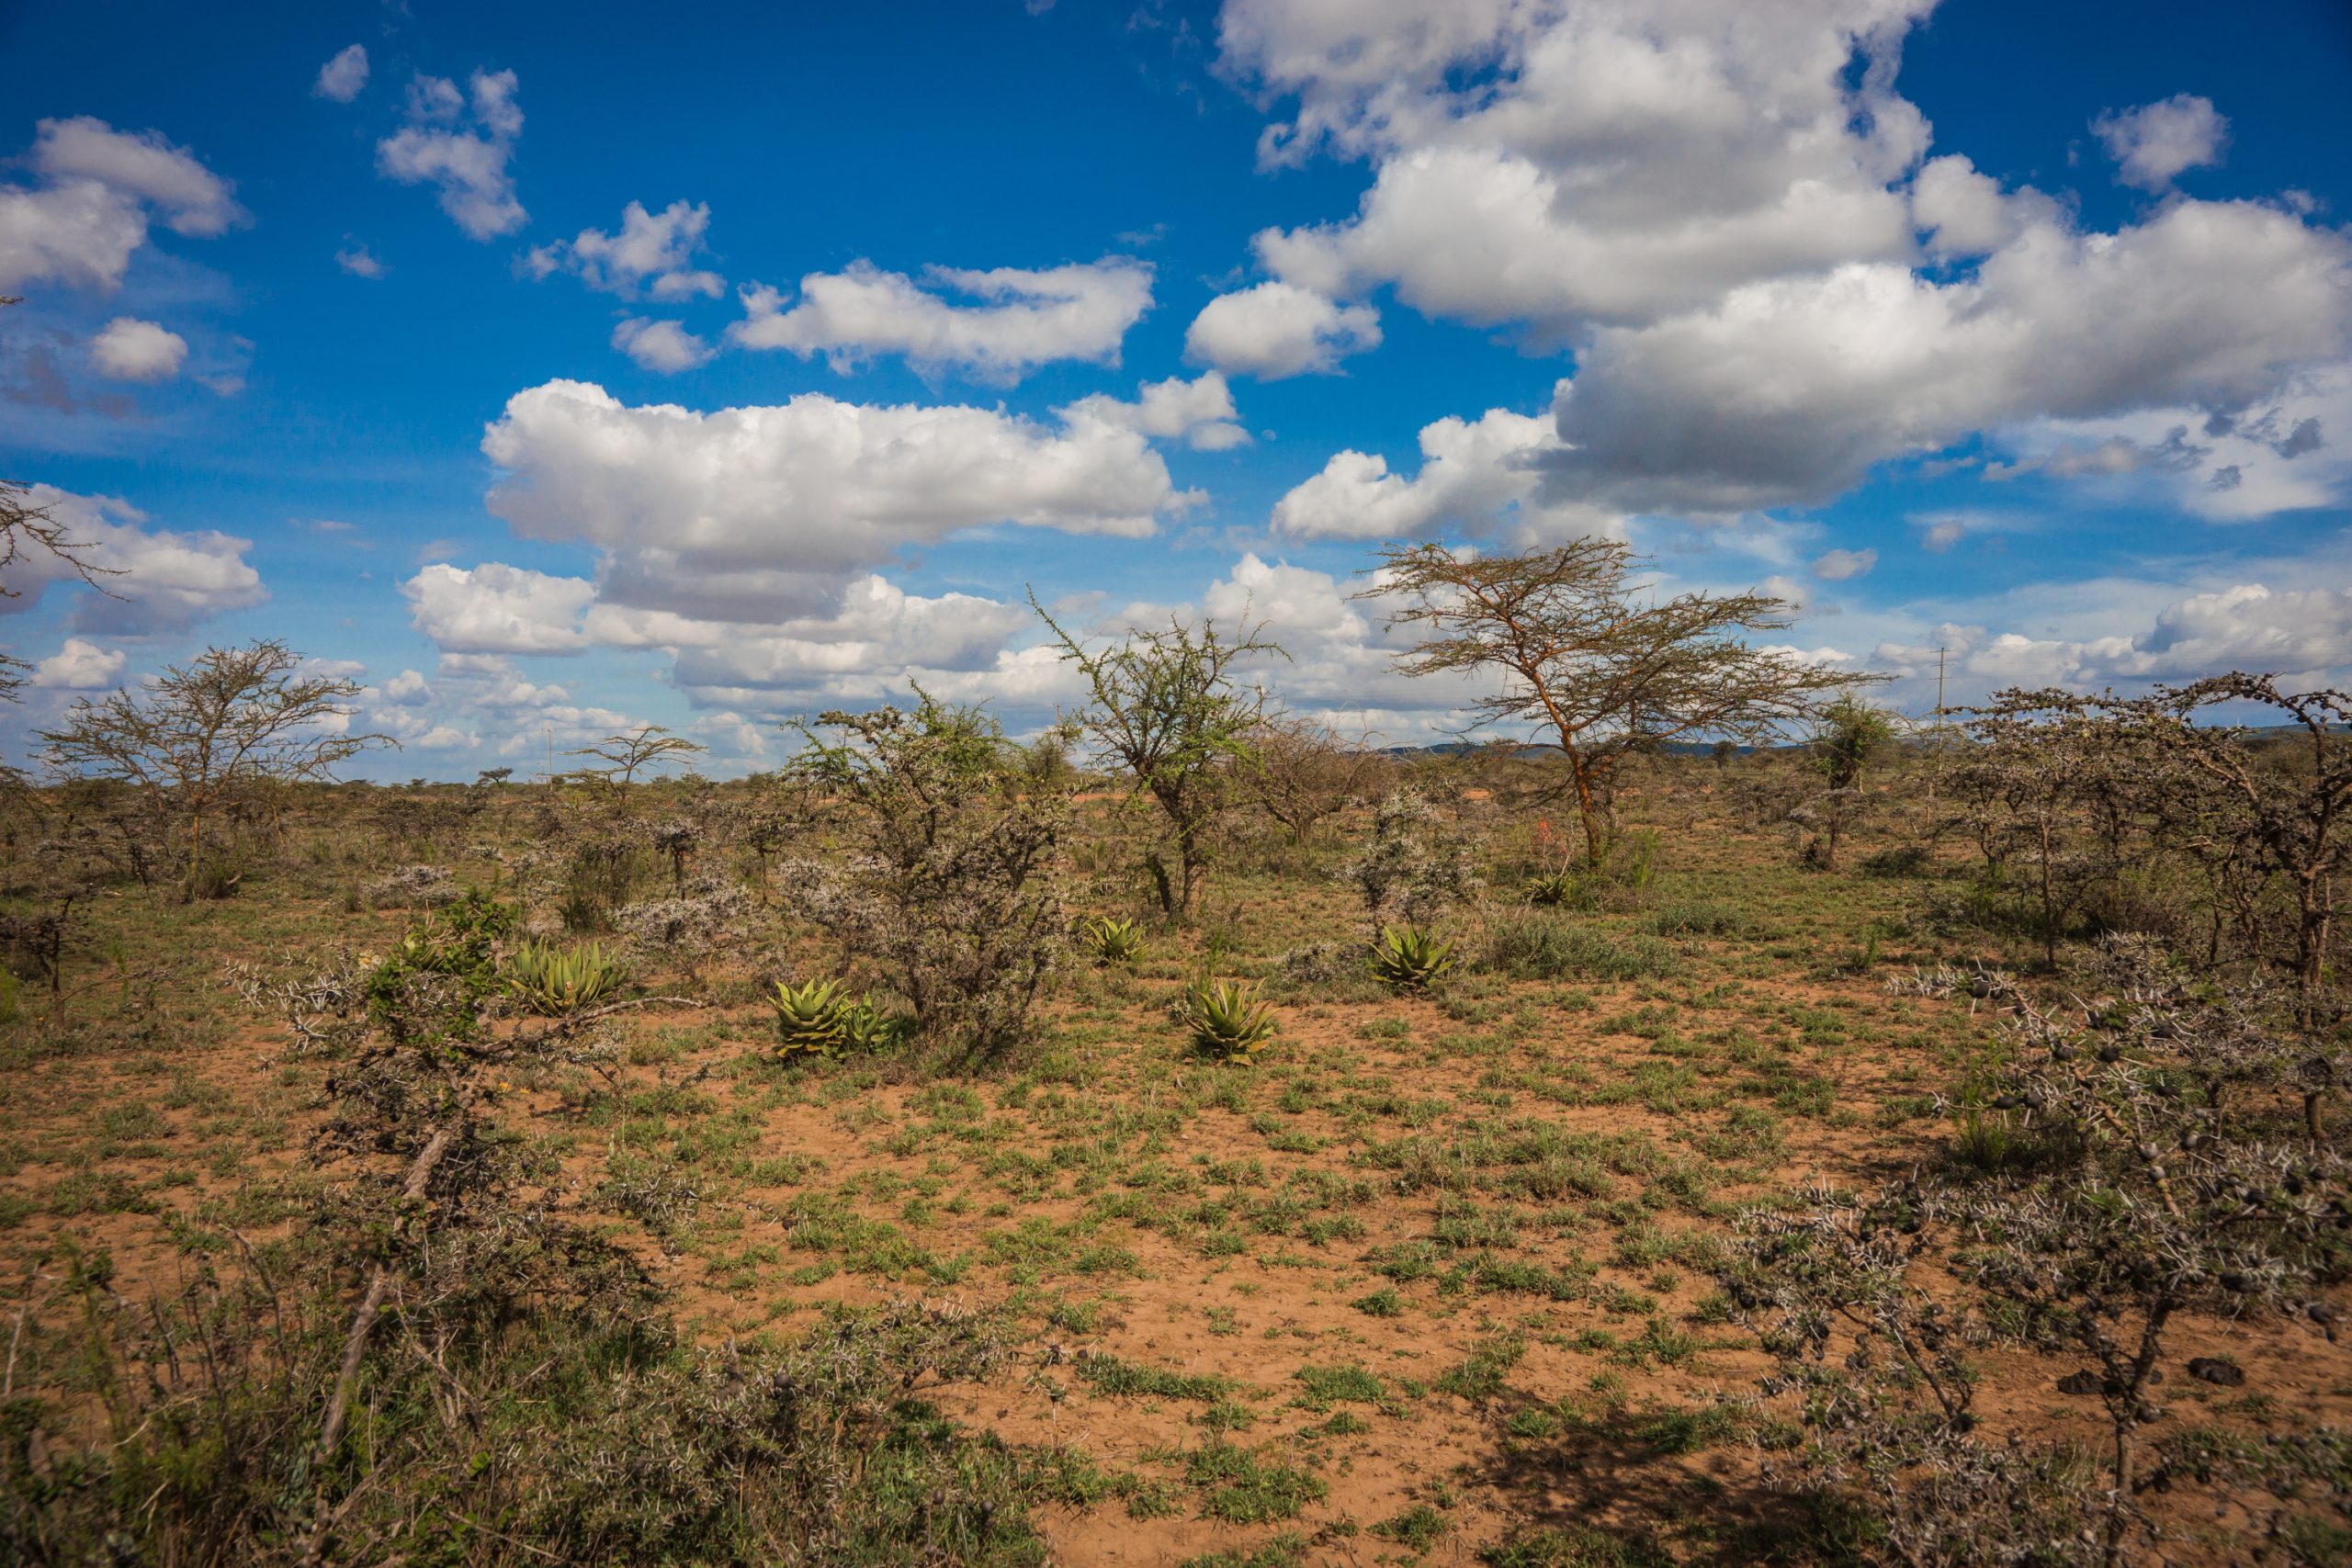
{"x":231,"y":720}
{"x":632,"y":752}
{"x":1587,"y":657}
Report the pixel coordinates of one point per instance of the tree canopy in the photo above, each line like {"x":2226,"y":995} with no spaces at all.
{"x":1590,"y":659}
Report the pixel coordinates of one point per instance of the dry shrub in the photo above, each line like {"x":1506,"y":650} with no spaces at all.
{"x":2151,"y":1168}
{"x":946,"y":884}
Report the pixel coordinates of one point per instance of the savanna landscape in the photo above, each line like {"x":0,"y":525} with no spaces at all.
{"x":1175,"y":784}
{"x":1188,"y":1136}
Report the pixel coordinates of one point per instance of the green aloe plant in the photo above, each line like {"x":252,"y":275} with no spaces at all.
{"x":552,"y":980}
{"x":1226,"y":1018}
{"x":868,"y":1028}
{"x":808,"y":1019}
{"x":1551,"y":890}
{"x":820,"y":1019}
{"x":1113,"y":940}
{"x":1409,"y":958}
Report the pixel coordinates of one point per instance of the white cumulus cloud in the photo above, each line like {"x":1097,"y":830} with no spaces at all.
{"x":666,"y":346}
{"x":494,"y":608}
{"x":1018,"y":318}
{"x":95,"y":188}
{"x":1199,"y":412}
{"x":343,"y":78}
{"x":1788,"y":392}
{"x":461,"y":143}
{"x":79,"y":666}
{"x":1843,"y":566}
{"x":2154,"y":145}
{"x":653,"y":251}
{"x":751,"y":511}
{"x":1562,"y":165}
{"x":128,"y":349}
{"x":1277,"y":328}
{"x":1478,"y":477}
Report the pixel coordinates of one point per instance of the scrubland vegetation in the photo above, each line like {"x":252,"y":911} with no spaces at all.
{"x":1185,"y":1138}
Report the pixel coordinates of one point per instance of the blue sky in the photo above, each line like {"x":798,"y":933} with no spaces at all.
{"x":548,"y":372}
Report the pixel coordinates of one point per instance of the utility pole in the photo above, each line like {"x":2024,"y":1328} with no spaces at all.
{"x":1936,"y":772}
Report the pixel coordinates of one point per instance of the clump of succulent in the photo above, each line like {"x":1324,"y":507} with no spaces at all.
{"x":1551,"y":890}
{"x":1110,"y":940}
{"x":1226,"y":1018}
{"x":552,"y":981}
{"x":808,"y":1019}
{"x":1408,"y":958}
{"x":870,"y":1028}
{"x":820,"y":1019}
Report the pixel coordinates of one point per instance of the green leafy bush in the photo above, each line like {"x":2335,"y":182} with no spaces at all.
{"x":433,"y":983}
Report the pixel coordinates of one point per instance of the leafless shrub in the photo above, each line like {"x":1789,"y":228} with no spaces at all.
{"x":689,"y":927}
{"x":2149,"y":1179}
{"x":414,"y":887}
{"x":1879,"y":1370}
{"x":1300,"y":772}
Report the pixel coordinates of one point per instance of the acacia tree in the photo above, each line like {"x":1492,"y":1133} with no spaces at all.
{"x":1847,"y":736}
{"x":196,"y":736}
{"x":1302,"y":772}
{"x":628,"y":753}
{"x":1167,"y":708}
{"x":1588,"y":657}
{"x":2293,"y":824}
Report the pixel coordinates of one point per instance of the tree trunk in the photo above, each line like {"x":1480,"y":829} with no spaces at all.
{"x":1161,"y":886}
{"x":1586,"y":810}
{"x":2310,"y":941}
